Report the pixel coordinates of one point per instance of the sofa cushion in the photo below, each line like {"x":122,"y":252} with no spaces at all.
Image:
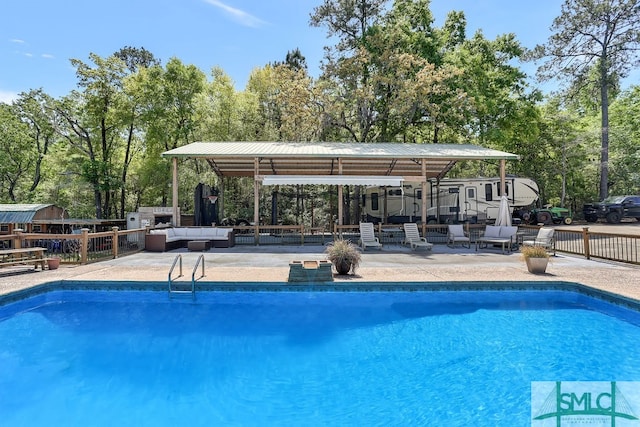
{"x":194,"y":233}
{"x":508,"y":232}
{"x":208,"y":233}
{"x":492,"y":231}
{"x":180,"y":232}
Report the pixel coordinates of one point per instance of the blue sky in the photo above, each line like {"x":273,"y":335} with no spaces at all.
{"x":38,"y":37}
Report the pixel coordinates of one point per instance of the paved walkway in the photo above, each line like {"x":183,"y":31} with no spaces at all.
{"x":393,"y":263}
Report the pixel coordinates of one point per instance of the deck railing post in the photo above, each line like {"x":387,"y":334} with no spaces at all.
{"x":585,"y":240}
{"x":17,"y":242}
{"x":115,"y":241}
{"x":84,"y":247}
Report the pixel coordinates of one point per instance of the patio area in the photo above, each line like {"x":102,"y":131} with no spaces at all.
{"x":394,"y":263}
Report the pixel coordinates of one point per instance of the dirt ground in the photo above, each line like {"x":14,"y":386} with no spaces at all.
{"x":628,"y":226}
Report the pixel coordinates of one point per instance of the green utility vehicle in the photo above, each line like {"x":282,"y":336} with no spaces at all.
{"x":551,"y":215}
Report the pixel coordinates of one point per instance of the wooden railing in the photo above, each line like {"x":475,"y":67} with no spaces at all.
{"x":82,"y":247}
{"x":610,"y":246}
{"x":88,"y":247}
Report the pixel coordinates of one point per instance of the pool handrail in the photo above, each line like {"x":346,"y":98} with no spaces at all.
{"x":193,"y":273}
{"x":173,"y":266}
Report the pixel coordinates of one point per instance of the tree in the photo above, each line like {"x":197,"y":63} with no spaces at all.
{"x":625,"y":156}
{"x":593,"y":34}
{"x":17,"y":153}
{"x":89,"y":122}
{"x":170,"y":96}
{"x":35,"y":109}
{"x":135,"y":59}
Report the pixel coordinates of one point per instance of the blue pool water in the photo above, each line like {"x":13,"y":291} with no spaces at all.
{"x":302,"y":358}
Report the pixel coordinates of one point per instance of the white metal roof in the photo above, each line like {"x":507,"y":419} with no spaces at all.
{"x":323,"y":158}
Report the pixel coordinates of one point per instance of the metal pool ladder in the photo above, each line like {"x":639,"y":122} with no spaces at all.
{"x":173,"y":288}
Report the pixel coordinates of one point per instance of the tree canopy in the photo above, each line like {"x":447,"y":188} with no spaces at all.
{"x":391,"y":75}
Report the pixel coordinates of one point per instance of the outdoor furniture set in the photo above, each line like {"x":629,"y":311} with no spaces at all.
{"x":194,"y":238}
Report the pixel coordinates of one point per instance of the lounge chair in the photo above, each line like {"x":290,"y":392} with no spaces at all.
{"x":412,"y":237}
{"x":506,"y":236}
{"x":456,"y":234}
{"x":544,"y":238}
{"x":368,"y":237}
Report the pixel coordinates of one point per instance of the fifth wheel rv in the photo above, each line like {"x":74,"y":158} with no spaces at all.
{"x":451,"y":200}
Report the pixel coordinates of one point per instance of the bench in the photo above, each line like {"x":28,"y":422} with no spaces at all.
{"x":23,"y":256}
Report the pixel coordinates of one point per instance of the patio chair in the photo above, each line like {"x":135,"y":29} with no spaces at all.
{"x":456,"y":234}
{"x":544,"y":238}
{"x":368,"y":237}
{"x":412,"y":237}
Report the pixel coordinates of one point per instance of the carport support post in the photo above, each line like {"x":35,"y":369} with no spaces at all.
{"x":340,"y":201}
{"x":424,"y":198}
{"x":174,"y":195}
{"x":503,"y":176}
{"x":256,"y":200}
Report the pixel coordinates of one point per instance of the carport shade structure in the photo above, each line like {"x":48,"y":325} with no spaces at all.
{"x":339,"y":163}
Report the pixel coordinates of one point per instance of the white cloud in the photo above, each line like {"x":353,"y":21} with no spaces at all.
{"x":238,"y":15}
{"x":28,"y":54}
{"x":17,"y":41}
{"x":48,"y":56}
{"x":7,"y":97}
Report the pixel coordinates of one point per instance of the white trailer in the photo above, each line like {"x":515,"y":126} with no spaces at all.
{"x":449,"y":200}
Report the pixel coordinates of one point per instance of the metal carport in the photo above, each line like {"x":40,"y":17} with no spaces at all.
{"x":339,"y":163}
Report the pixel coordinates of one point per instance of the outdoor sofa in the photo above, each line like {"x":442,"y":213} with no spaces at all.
{"x":498,"y":235}
{"x":166,"y":239}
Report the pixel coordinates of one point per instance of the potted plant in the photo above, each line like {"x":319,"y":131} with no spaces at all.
{"x":344,"y":255}
{"x":536,"y":258}
{"x":53,"y":263}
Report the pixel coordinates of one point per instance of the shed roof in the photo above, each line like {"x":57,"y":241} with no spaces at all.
{"x":322,"y":158}
{"x":18,"y":213}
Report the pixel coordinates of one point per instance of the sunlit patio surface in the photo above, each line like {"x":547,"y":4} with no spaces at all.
{"x":394,"y":263}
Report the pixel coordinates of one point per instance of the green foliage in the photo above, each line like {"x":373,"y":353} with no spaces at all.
{"x":593,"y":40}
{"x":391,"y":75}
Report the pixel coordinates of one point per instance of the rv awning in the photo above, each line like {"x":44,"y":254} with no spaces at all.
{"x":394,"y":181}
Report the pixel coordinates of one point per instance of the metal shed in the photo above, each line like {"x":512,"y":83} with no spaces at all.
{"x":274,"y":163}
{"x":26,"y":215}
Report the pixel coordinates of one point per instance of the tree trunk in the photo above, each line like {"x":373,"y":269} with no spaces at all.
{"x":604,"y":150}
{"x":97,"y":197}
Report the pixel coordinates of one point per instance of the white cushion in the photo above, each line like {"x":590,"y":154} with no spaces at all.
{"x":193,"y":233}
{"x":208,"y":233}
{"x":492,"y":231}
{"x":180,"y":232}
{"x":508,"y":231}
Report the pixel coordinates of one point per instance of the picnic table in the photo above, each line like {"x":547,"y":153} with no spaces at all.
{"x":23,"y":256}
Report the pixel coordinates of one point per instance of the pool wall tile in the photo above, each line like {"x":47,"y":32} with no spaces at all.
{"x":99,"y":285}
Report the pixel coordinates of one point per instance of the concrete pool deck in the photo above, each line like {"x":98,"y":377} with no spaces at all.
{"x":394,"y":263}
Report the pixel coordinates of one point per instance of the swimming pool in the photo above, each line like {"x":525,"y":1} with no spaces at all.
{"x":302,"y":358}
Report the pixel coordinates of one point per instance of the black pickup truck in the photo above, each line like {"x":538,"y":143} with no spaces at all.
{"x":613,"y":209}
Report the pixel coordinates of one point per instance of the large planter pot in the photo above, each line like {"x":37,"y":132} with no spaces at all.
{"x":537,"y":265}
{"x":343,"y":267}
{"x":53,"y":263}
